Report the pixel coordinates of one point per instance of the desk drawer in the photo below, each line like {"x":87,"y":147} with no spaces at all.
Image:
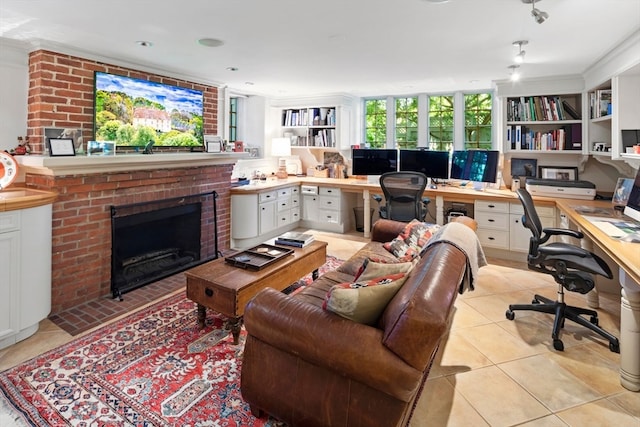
{"x":266,"y":196}
{"x":284,"y":204}
{"x":492,"y":220}
{"x":494,"y":238}
{"x":489,"y":206}
{"x":329,"y":216}
{"x":284,"y":192}
{"x":329,"y":202}
{"x":326,"y":191}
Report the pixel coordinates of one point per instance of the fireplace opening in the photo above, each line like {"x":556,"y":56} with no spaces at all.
{"x":152,"y":240}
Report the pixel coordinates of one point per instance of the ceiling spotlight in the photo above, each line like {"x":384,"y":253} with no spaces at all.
{"x":515,"y":75}
{"x":209,"y":42}
{"x":519,"y":58}
{"x":144,"y":43}
{"x":537,"y":14}
{"x":232,"y":68}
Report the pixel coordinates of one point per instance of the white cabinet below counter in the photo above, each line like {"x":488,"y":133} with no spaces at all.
{"x":25,"y":272}
{"x":262,"y":215}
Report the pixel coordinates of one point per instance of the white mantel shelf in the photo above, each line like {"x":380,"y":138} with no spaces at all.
{"x":82,"y":165}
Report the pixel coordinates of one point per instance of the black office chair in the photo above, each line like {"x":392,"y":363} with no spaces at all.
{"x":571,"y":267}
{"x":403,"y":196}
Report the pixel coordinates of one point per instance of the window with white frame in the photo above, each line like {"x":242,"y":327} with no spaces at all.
{"x":406,"y":126}
{"x":441,"y":122}
{"x":478,"y":121}
{"x":233,"y":119}
{"x":375,"y":122}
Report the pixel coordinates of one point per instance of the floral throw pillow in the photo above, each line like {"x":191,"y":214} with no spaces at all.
{"x":410,"y":242}
{"x":371,"y":269}
{"x":363,"y":301}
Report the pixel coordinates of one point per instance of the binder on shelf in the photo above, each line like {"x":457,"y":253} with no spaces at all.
{"x":518,"y":136}
{"x":570,"y":110}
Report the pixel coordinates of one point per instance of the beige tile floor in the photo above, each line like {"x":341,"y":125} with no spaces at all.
{"x":490,"y":371}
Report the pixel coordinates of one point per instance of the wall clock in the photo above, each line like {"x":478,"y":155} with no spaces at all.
{"x":8,"y":170}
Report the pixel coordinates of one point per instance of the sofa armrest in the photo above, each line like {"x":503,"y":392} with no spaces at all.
{"x":385,"y":230}
{"x":327,"y":340}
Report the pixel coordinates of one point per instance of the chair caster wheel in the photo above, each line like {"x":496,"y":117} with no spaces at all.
{"x":510,"y":315}
{"x":558,"y":345}
{"x":614,"y":347}
{"x":594,"y":320}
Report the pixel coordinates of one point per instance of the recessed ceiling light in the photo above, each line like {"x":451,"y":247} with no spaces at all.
{"x":249,"y":83}
{"x":144,"y":43}
{"x":438,"y":1}
{"x":232,"y":68}
{"x":209,"y":42}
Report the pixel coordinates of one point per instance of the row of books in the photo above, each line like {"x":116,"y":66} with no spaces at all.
{"x":325,"y":138}
{"x":600,"y":103}
{"x":295,"y":239}
{"x":565,"y":138}
{"x":309,"y":117}
{"x":540,"y":108}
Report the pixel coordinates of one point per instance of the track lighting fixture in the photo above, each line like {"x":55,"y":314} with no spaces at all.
{"x":537,"y":14}
{"x":519,"y":58}
{"x":515,"y":75}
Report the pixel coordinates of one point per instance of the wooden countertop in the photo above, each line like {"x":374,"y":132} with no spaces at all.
{"x":451,"y":193}
{"x":23,"y":198}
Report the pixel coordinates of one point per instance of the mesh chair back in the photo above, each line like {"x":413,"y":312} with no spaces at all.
{"x":403,"y":194}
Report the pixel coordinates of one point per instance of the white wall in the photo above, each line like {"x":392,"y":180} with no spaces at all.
{"x":14,"y":85}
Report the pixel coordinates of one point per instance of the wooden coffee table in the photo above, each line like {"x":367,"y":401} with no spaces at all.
{"x":227,"y":289}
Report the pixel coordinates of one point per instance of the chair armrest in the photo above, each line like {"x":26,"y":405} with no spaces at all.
{"x":377,"y":198}
{"x":561,"y":232}
{"x":426,"y":201}
{"x":329,"y":341}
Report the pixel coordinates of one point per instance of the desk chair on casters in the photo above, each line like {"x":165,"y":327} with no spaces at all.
{"x":571,"y":267}
{"x":403,"y":193}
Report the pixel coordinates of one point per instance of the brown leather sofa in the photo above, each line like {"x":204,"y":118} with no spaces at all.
{"x":310,"y":367}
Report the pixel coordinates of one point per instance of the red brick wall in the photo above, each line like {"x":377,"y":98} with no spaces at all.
{"x":61,"y":95}
{"x":81,"y":246}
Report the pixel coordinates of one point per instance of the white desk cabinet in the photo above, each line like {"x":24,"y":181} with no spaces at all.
{"x":328,"y":210}
{"x":25,"y":272}
{"x":256,"y":217}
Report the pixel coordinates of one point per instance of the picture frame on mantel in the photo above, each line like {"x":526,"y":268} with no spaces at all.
{"x":74,"y":133}
{"x":61,"y":147}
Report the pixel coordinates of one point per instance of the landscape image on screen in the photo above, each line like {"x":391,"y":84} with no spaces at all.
{"x":134,"y":112}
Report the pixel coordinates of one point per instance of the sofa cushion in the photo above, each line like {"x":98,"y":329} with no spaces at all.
{"x":363,"y":301}
{"x":411,"y":241}
{"x":372,"y":250}
{"x":371,"y":269}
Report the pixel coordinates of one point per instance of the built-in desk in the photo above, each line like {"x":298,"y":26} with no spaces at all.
{"x":627,"y":256}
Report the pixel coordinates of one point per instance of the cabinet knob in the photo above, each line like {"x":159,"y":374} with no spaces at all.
{"x":492,"y":206}
{"x":492,"y":238}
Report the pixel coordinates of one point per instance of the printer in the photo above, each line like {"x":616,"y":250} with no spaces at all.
{"x":583,"y":190}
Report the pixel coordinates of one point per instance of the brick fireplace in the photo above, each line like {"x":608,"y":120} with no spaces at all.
{"x":60,"y":95}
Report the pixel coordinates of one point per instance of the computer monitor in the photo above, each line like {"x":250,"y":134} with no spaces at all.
{"x":373,"y":161}
{"x":632,"y":209}
{"x":475,"y":165}
{"x":434,"y":164}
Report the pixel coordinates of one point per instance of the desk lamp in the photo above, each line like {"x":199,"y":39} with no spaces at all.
{"x":281,"y":148}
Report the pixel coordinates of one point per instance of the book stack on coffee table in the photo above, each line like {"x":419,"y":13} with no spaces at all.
{"x":292,"y":238}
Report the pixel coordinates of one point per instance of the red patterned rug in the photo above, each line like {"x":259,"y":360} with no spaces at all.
{"x":154,"y":367}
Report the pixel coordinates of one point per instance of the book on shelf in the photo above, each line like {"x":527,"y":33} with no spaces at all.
{"x":296,"y":237}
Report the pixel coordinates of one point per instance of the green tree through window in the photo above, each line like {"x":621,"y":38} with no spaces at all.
{"x":477,"y":121}
{"x":407,"y":122}
{"x":233,"y":119}
{"x":441,"y":123}
{"x":376,"y":122}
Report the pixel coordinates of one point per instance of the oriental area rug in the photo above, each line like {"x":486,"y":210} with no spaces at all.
{"x":153,"y":368}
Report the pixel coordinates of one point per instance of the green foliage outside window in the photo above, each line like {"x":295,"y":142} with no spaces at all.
{"x":407,"y":122}
{"x":376,"y":122}
{"x":233,"y":119}
{"x":441,"y":123}
{"x":477,"y":121}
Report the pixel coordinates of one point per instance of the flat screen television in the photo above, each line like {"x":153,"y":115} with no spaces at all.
{"x":135,"y":112}
{"x":632,"y":209}
{"x":475,"y":165}
{"x":373,"y":161}
{"x":434,"y":164}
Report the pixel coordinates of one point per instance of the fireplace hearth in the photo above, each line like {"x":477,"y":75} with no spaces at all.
{"x":153,"y":240}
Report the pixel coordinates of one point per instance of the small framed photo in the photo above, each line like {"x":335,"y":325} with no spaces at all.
{"x":622,"y":191}
{"x":61,"y":147}
{"x":524,"y":167}
{"x":561,"y":173}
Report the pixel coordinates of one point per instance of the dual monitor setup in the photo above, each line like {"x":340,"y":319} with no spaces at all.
{"x":466,"y":165}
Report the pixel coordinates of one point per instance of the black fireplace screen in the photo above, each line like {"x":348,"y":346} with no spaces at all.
{"x":152,"y":240}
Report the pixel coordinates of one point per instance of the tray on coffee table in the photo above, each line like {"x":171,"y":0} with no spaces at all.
{"x":258,"y":257}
